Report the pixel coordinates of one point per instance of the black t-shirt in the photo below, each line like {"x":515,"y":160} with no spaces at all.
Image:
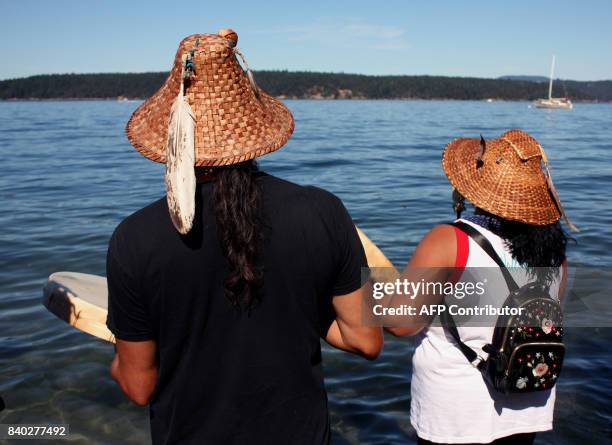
{"x":228,"y":375}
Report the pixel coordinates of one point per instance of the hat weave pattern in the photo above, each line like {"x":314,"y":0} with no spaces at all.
{"x":503,"y":176}
{"x":235,"y":121}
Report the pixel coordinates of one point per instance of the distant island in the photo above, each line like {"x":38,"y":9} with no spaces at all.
{"x":529,"y":78}
{"x":312,"y":85}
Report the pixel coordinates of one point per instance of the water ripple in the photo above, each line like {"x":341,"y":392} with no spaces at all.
{"x":70,"y":176}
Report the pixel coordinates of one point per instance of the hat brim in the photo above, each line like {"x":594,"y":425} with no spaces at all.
{"x":235,"y":121}
{"x":147,"y":131}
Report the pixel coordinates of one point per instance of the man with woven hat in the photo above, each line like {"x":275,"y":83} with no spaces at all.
{"x":515,"y":224}
{"x":220,"y":292}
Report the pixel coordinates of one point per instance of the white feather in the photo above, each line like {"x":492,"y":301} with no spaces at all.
{"x":180,"y":164}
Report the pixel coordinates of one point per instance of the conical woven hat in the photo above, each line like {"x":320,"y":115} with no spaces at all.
{"x":234,"y":120}
{"x":504,"y":176}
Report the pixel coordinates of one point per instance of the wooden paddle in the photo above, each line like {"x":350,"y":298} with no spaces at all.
{"x":81,"y":300}
{"x":381,"y":268}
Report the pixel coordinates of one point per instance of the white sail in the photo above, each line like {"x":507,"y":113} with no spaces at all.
{"x":552,"y":75}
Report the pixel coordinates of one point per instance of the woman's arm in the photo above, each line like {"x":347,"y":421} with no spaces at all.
{"x":432,"y":262}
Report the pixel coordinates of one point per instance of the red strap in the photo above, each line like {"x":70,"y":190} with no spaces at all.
{"x":564,"y":266}
{"x":463,"y":252}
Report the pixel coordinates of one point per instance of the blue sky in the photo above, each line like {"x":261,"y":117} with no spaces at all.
{"x":454,"y":38}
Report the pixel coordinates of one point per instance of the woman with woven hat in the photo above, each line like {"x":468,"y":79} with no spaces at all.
{"x":515,"y":227}
{"x":220,"y":292}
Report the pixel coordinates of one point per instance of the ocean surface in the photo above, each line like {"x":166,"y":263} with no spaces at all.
{"x":69,"y":177}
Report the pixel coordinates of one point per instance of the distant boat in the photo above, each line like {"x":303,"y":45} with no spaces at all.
{"x":553,"y":102}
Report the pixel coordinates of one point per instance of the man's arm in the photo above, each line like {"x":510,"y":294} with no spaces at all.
{"x":134,"y":368}
{"x":347,"y":331}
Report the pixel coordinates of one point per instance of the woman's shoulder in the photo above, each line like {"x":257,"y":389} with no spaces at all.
{"x":438,"y":248}
{"x":440,"y":236}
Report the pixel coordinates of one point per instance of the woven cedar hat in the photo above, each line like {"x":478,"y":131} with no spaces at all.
{"x":504,"y":176}
{"x":209,"y":112}
{"x":234,"y":120}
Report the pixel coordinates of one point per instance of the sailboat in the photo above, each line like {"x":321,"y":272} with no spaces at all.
{"x":553,"y":102}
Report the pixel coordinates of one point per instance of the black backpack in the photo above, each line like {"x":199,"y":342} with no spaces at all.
{"x":526,"y":351}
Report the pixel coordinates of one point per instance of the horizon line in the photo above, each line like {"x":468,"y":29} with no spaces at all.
{"x":503,"y":77}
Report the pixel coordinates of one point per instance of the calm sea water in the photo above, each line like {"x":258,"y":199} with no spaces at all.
{"x":69,"y":176}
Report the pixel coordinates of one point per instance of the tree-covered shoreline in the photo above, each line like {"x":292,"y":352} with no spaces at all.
{"x":308,"y":85}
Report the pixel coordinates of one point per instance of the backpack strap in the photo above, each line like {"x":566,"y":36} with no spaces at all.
{"x":485,"y":244}
{"x":472,"y":356}
{"x":448,"y":321}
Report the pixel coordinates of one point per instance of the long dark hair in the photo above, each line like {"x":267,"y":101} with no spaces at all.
{"x":535,"y":246}
{"x":237,"y":206}
{"x":541,"y":249}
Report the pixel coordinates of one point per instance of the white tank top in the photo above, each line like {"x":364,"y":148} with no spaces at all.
{"x":450,"y":401}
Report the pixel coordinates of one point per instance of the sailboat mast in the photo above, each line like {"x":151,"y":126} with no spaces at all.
{"x":552,"y":73}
